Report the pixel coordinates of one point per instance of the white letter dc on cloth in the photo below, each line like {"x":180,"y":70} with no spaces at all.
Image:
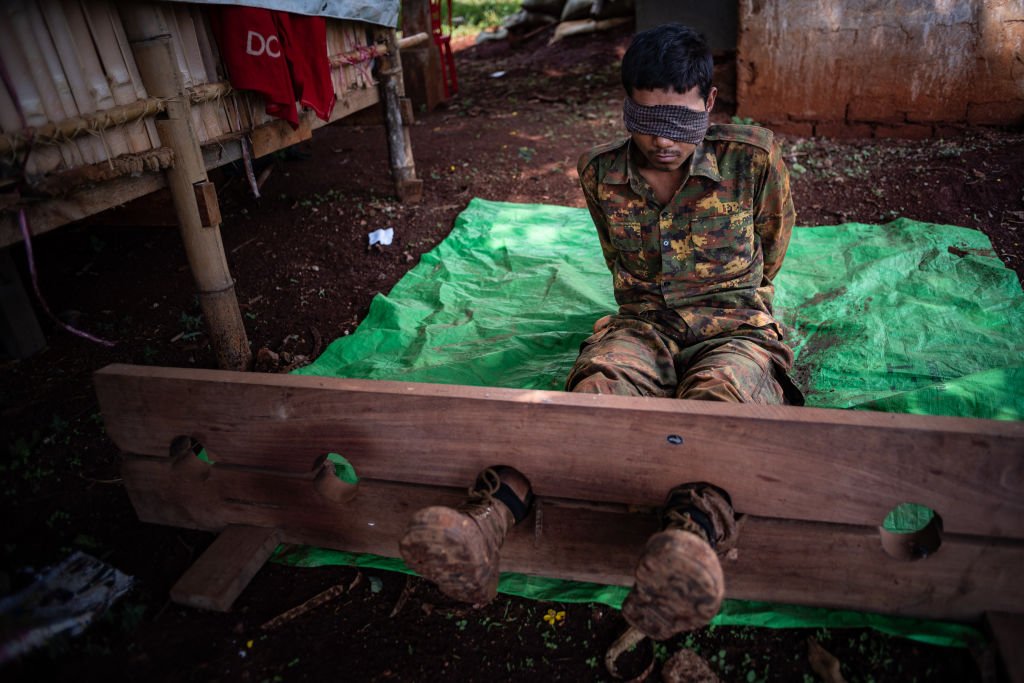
{"x":265,"y":45}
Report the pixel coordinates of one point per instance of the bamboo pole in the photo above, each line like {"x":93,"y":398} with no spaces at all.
{"x":133,"y":72}
{"x":193,"y":60}
{"x":204,"y":39}
{"x":155,"y":54}
{"x":30,"y":32}
{"x":63,"y":42}
{"x":224,"y":111}
{"x":403,"y":170}
{"x":207,"y":44}
{"x":98,"y":17}
{"x":116,"y":143}
{"x":337,"y":74}
{"x":28,"y":103}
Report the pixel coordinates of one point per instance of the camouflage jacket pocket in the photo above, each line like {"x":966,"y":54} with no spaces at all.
{"x":723,"y":245}
{"x":627,"y":239}
{"x":626,"y":235}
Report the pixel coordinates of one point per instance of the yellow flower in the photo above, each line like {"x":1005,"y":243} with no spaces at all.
{"x":553,"y":617}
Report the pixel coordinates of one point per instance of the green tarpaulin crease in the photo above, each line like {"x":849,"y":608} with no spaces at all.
{"x":904,"y":317}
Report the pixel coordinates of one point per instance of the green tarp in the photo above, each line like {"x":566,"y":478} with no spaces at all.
{"x":904,"y":317}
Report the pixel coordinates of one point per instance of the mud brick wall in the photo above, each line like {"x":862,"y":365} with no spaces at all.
{"x":860,"y":68}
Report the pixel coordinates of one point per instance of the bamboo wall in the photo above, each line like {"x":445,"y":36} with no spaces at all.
{"x":67,"y":62}
{"x":64,"y":60}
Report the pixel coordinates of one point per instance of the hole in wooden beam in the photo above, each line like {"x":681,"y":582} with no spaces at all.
{"x":337,"y":480}
{"x":911,"y":532}
{"x":342,"y":468}
{"x":189,"y":457}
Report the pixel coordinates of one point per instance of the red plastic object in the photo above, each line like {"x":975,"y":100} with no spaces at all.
{"x":444,"y":46}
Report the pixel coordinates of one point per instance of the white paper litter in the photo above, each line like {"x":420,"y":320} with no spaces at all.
{"x":382,"y":236}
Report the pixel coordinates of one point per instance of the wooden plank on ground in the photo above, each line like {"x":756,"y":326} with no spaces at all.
{"x":805,"y":563}
{"x":225,"y":569}
{"x":848,"y":467}
{"x":1008,"y":631}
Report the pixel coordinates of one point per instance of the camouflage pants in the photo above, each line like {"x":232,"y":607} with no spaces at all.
{"x":640,"y":356}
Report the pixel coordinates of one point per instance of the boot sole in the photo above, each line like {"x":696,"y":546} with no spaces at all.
{"x":679,"y":585}
{"x":447,"y":548}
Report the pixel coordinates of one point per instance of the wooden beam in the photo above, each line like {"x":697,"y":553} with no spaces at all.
{"x":53,"y":213}
{"x":848,"y":467}
{"x":277,"y":135}
{"x":356,"y":99}
{"x":226,"y":568}
{"x":1008,"y":632}
{"x":804,"y":563}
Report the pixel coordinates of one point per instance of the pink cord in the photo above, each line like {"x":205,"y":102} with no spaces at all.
{"x":26,"y":235}
{"x":364,"y":55}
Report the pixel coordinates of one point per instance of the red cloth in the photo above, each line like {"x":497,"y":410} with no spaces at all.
{"x":283,"y":56}
{"x":305,"y":41}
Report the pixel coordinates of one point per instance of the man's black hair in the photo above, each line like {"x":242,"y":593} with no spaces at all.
{"x":668,"y":57}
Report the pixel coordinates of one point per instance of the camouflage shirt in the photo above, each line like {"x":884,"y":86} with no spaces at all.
{"x":712,"y":251}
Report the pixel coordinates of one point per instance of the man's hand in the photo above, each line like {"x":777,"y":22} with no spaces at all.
{"x":601,"y":323}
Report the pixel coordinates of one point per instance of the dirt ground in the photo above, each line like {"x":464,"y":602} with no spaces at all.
{"x":305,"y":276}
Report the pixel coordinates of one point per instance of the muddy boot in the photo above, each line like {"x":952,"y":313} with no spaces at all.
{"x":679,"y":583}
{"x":458,"y":548}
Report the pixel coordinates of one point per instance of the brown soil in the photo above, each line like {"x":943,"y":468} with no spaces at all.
{"x":305,"y":277}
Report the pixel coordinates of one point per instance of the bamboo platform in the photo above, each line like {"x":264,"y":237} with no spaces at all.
{"x":814,"y":484}
{"x":84,"y":121}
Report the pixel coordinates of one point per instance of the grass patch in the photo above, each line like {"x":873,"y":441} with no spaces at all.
{"x":478,"y":15}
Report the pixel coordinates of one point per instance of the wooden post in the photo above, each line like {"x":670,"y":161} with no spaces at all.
{"x":421,"y":65}
{"x":158,"y":64}
{"x":403,"y":169}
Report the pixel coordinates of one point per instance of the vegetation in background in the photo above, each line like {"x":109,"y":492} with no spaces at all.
{"x":478,"y":15}
{"x":470,"y":17}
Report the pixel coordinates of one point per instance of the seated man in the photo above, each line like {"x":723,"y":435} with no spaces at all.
{"x":694,"y":222}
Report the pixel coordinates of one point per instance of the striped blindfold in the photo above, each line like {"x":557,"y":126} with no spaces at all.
{"x":680,"y":124}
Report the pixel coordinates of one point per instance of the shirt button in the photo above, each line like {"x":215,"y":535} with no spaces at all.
{"x":665,"y":243}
